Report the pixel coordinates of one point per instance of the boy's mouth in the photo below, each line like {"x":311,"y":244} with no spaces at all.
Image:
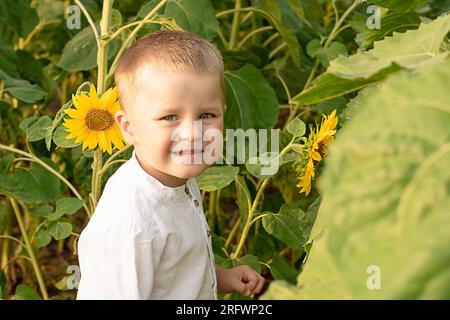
{"x":187,"y":152}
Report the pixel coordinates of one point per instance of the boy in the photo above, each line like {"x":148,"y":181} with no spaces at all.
{"x":148,"y":237}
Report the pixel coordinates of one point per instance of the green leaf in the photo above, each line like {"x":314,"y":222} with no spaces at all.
{"x":8,"y":62}
{"x":54,"y":216}
{"x":267,"y":164}
{"x":328,"y":86}
{"x":412,"y":50}
{"x":248,"y":97}
{"x":287,"y":225}
{"x":25,"y":123}
{"x":38,"y":129}
{"x":59,"y":230}
{"x":325,"y":55}
{"x":386,"y":198}
{"x":281,"y":270}
{"x":400,"y":5}
{"x":80,"y":53}
{"x":216,"y":178}
{"x":399,"y":22}
{"x":43,"y":238}
{"x":24,"y":292}
{"x":62,"y":284}
{"x":31,"y":185}
{"x":24,"y":90}
{"x":296,"y":127}
{"x":248,"y":260}
{"x":272,"y":12}
{"x":18,"y":16}
{"x":59,"y":137}
{"x":68,"y":205}
{"x":42,"y":211}
{"x":243,"y":198}
{"x":55,"y":123}
{"x":197,"y":16}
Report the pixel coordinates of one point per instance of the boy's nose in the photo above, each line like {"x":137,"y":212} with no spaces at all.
{"x":190,"y":130}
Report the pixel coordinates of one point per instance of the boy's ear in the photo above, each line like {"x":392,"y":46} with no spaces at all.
{"x":125,"y":126}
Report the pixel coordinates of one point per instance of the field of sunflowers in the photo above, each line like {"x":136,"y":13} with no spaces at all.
{"x":357,"y":92}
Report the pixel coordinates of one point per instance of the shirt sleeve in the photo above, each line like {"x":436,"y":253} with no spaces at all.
{"x":117,"y":261}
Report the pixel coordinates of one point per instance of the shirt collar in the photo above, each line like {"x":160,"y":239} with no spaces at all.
{"x":154,"y":184}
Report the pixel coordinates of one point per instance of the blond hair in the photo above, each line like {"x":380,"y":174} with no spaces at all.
{"x":179,"y":51}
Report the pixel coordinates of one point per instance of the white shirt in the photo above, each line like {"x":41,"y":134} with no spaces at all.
{"x":146,"y":241}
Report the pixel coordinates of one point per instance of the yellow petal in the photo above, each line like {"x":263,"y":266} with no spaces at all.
{"x":108,"y":98}
{"x":102,"y":140}
{"x":93,"y":96}
{"x":92,"y":139}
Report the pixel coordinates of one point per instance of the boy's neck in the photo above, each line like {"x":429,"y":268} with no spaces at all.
{"x":166,"y":179}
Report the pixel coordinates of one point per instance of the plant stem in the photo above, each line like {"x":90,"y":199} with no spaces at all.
{"x":29,"y":248}
{"x":102,"y":60}
{"x":251,"y":34}
{"x":235,"y":25}
{"x":232,"y":232}
{"x":130,"y":38}
{"x":211,"y":209}
{"x":89,"y":19}
{"x":252,"y":210}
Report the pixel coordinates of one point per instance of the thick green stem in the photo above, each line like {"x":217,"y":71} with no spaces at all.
{"x":29,"y":249}
{"x":102,"y":61}
{"x":252,"y":209}
{"x":235,"y":25}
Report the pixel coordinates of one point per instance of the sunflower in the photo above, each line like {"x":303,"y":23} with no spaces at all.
{"x":92,"y":120}
{"x":316,"y":149}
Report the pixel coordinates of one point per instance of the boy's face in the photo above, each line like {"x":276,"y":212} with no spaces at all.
{"x":175,"y":122}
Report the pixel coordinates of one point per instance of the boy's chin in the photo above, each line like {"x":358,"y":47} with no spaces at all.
{"x":186,"y":171}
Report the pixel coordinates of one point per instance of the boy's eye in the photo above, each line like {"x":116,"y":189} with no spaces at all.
{"x":170,"y":117}
{"x":206,"y":116}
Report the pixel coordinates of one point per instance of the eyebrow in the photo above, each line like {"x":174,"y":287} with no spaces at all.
{"x":208,"y":108}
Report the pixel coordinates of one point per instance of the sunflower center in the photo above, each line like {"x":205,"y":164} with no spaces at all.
{"x":99,"y":120}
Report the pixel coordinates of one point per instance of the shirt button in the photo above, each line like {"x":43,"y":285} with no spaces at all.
{"x":186,"y":189}
{"x":196,"y":203}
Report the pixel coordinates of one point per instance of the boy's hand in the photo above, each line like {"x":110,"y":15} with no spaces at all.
{"x":242,"y":279}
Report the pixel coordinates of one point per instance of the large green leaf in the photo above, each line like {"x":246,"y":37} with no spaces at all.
{"x":413,"y":49}
{"x":288,"y":225}
{"x":216,"y":178}
{"x":398,"y":22}
{"x":385,"y":211}
{"x":31,"y":185}
{"x":196,"y":16}
{"x":23,"y":89}
{"x":18,"y":16}
{"x":248,"y":97}
{"x":281,"y":270}
{"x":328,"y":86}
{"x":400,"y":5}
{"x":80,"y":53}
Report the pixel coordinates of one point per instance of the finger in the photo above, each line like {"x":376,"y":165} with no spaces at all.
{"x":253,"y":281}
{"x":243,"y":289}
{"x":259,"y":286}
